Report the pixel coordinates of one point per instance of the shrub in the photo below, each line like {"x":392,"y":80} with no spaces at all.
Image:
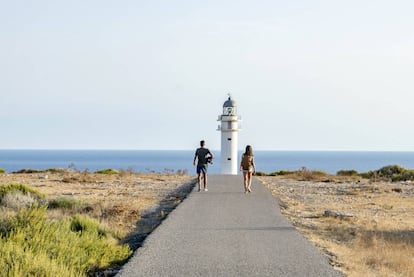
{"x":392,"y":173}
{"x":13,"y":188}
{"x":29,"y":171}
{"x":260,"y":173}
{"x":390,"y":170}
{"x":16,"y":260}
{"x":2,"y":171}
{"x":57,"y":170}
{"x":283,"y":172}
{"x":312,"y":175}
{"x":407,"y":175}
{"x":107,"y":171}
{"x":65,"y":204}
{"x":17,"y":200}
{"x":367,"y":175}
{"x":31,"y":245}
{"x":83,"y":224}
{"x":347,"y":173}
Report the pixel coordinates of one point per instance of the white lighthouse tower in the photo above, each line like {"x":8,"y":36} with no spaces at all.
{"x":229,"y":137}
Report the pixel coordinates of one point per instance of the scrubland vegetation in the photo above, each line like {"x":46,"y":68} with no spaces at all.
{"x":71,"y":223}
{"x":107,"y":171}
{"x":62,"y":223}
{"x":391,"y":173}
{"x":33,"y":244}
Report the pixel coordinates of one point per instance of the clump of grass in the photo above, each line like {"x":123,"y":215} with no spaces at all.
{"x":2,"y":171}
{"x":32,"y":245}
{"x":303,"y":174}
{"x":78,"y":177}
{"x":311,"y":175}
{"x":83,"y":224}
{"x":13,"y":188}
{"x":65,"y":203}
{"x":108,"y":171}
{"x":371,"y":251}
{"x":17,"y":200}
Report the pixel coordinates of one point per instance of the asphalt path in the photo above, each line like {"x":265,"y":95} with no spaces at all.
{"x":225,"y":232}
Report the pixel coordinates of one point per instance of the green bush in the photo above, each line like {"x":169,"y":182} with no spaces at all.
{"x":284,"y":172}
{"x":83,"y":224}
{"x":13,"y":188}
{"x":347,"y":173}
{"x":29,"y":171}
{"x":107,"y":171}
{"x":2,"y":171}
{"x":32,"y":245}
{"x":394,"y":173}
{"x":57,"y":170}
{"x":65,"y":204}
{"x":390,"y":170}
{"x":260,"y":173}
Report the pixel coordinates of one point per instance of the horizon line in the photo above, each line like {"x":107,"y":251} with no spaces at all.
{"x":218,"y":150}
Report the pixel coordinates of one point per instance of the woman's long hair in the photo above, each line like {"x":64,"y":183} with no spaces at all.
{"x":249,"y":151}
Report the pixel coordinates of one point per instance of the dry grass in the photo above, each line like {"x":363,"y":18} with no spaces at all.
{"x":369,"y":230}
{"x":128,"y":205}
{"x":118,"y":201}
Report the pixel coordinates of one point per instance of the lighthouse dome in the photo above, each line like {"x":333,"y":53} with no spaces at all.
{"x":229,"y":103}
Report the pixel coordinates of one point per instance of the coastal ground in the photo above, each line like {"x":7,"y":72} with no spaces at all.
{"x":131,"y":205}
{"x":365,"y":228}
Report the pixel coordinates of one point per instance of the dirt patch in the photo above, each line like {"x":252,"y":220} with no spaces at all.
{"x":366,"y":229}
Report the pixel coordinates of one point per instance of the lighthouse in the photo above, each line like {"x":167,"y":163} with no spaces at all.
{"x":229,"y":137}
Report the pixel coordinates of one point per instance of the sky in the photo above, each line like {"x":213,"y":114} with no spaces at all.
{"x":131,"y":74}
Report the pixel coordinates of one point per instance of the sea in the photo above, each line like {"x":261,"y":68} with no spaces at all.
{"x":180,"y":161}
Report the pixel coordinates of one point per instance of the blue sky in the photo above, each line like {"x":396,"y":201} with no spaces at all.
{"x":306,"y":75}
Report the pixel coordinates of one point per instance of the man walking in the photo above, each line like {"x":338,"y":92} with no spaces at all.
{"x":203,"y":157}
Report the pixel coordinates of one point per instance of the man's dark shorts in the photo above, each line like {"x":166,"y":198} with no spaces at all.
{"x":202,"y":169}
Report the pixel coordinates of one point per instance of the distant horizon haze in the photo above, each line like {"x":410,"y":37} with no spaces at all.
{"x":193,"y":149}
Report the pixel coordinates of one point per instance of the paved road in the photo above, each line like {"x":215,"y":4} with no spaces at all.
{"x":224,"y":232}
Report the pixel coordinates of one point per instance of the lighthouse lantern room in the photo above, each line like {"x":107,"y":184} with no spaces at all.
{"x":229,"y":137}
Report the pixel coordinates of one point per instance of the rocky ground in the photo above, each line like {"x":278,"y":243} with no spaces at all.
{"x":366,"y":229}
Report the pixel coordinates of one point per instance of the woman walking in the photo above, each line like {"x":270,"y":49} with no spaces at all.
{"x":248,"y":167}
